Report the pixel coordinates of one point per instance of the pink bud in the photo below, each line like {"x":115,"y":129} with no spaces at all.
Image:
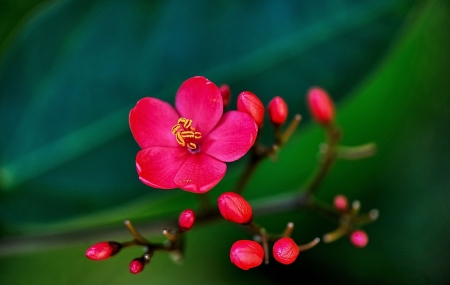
{"x":234,"y":208}
{"x":359,"y":238}
{"x":246,"y":254}
{"x":186,"y":220}
{"x":340,"y":203}
{"x":249,"y":103}
{"x":278,"y":110}
{"x":226,"y":94}
{"x":285,"y":250}
{"x":320,"y":105}
{"x":136,"y":265}
{"x":103,"y":250}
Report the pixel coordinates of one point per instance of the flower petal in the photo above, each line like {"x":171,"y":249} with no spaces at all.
{"x":151,"y":122}
{"x":157,"y":166}
{"x":232,"y":138}
{"x":200,"y":173}
{"x":199,"y":100}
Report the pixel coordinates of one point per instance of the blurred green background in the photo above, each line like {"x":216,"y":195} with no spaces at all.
{"x":71,"y":70}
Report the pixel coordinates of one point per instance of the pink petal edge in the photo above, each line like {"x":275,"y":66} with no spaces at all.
{"x":234,"y":135}
{"x":200,"y":173}
{"x":151,"y":122}
{"x":158,"y":166}
{"x":199,"y":100}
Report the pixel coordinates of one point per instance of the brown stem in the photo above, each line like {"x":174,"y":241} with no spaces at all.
{"x":265,"y":245}
{"x":288,"y":231}
{"x":309,"y":245}
{"x":266,"y":206}
{"x":171,"y":237}
{"x":290,"y":130}
{"x":253,"y":163}
{"x":138,"y":237}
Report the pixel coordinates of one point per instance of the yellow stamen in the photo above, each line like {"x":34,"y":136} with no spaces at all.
{"x":186,"y":122}
{"x":185,"y":134}
{"x":179,"y":139}
{"x":175,"y":129}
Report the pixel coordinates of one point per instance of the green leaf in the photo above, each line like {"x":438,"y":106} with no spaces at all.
{"x":72,"y":73}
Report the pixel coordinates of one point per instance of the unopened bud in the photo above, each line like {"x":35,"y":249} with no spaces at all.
{"x":340,"y":203}
{"x":137,"y":265}
{"x":278,"y":111}
{"x":246,"y":254}
{"x":103,"y":250}
{"x":320,"y":105}
{"x":226,"y":94}
{"x":285,"y":250}
{"x":249,"y":103}
{"x":234,"y":208}
{"x":359,"y":238}
{"x":186,"y":220}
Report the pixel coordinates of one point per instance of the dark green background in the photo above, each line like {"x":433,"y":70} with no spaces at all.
{"x":71,"y":70}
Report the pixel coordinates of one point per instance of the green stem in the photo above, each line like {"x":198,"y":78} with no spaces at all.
{"x":357,"y":152}
{"x":329,"y":156}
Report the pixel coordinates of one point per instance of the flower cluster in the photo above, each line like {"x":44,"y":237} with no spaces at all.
{"x":188,"y":146}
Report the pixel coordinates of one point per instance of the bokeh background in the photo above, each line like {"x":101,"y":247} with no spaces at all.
{"x":70,"y":71}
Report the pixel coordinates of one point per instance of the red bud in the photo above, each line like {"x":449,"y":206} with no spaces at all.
{"x":137,"y":265}
{"x":320,"y":105}
{"x":103,"y":250}
{"x":246,"y":254}
{"x":359,"y":238}
{"x":226,"y":94}
{"x":285,"y":250}
{"x":234,"y":208}
{"x":340,"y":203}
{"x":278,"y":110}
{"x":186,"y":220}
{"x":249,"y":103}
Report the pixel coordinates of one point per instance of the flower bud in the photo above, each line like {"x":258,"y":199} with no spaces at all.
{"x":340,"y":203}
{"x":234,"y":208}
{"x":249,"y":103}
{"x":278,"y":111}
{"x":103,"y":250}
{"x":285,"y":250}
{"x":137,"y":265}
{"x":226,"y":94}
{"x":320,"y":105}
{"x":359,"y":238}
{"x":186,"y":220}
{"x":246,"y":254}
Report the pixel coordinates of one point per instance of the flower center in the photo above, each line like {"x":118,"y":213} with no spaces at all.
{"x":185,"y":134}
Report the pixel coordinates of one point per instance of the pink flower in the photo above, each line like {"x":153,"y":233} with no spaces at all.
{"x":187,"y":147}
